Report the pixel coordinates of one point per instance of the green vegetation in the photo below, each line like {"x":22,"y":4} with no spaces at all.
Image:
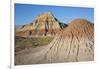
{"x":22,"y":43}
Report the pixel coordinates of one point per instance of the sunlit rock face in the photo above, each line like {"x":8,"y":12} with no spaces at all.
{"x":74,"y":43}
{"x":44,"y":25}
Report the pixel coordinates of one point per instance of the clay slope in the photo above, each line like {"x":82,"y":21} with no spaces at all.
{"x":44,"y":24}
{"x":74,"y":43}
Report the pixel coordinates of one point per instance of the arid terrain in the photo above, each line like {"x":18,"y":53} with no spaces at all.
{"x":47,"y":40}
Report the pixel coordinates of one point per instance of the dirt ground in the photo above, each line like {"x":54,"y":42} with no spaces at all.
{"x":31,"y":56}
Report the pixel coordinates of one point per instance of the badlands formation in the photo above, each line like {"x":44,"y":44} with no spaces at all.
{"x":75,"y":43}
{"x":44,"y":25}
{"x":72,"y":44}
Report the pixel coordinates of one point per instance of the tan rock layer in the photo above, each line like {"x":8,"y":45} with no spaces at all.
{"x":40,"y":32}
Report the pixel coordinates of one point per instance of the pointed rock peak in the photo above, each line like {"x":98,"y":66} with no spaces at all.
{"x":49,"y":13}
{"x":46,"y":14}
{"x":44,"y":24}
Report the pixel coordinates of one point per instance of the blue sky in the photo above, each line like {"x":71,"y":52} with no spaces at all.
{"x":26,"y":13}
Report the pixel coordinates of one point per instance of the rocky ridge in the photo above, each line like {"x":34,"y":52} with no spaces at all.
{"x":44,"y":25}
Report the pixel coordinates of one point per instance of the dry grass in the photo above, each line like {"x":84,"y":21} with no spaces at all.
{"x":22,"y":43}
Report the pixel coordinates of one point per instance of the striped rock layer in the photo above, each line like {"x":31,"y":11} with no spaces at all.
{"x":43,"y":25}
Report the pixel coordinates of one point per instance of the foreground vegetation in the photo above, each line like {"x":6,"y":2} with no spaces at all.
{"x":22,"y":42}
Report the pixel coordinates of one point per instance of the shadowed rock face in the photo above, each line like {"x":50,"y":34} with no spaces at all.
{"x":43,"y":25}
{"x":74,"y":43}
